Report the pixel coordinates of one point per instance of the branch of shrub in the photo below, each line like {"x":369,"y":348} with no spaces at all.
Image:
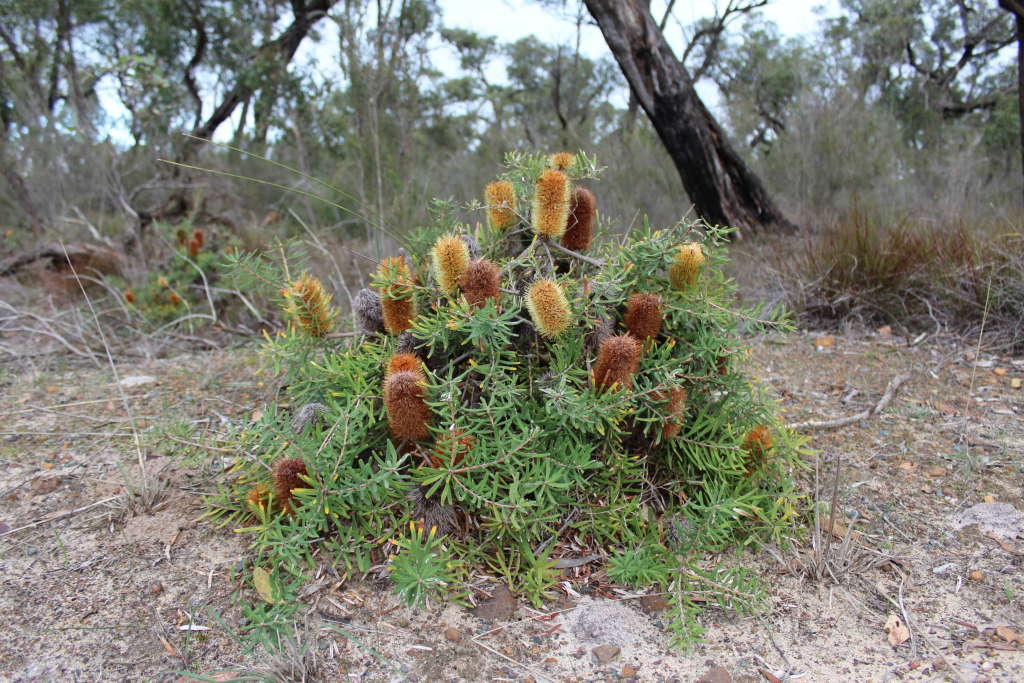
{"x":890,"y":391}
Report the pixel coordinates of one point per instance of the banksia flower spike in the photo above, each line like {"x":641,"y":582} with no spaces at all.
{"x":451,"y":449}
{"x":405,"y":362}
{"x":757,"y":444}
{"x":549,"y":308}
{"x":257,"y":497}
{"x":643,"y":316}
{"x":161,"y":281}
{"x":398,"y":306}
{"x":129,"y":296}
{"x":199,"y":236}
{"x":450,"y":259}
{"x":181,"y":236}
{"x":676,"y":408}
{"x":310,"y":304}
{"x":617,"y":361}
{"x":551,"y":204}
{"x":562,"y":160}
{"x":579,"y":229}
{"x":685,"y":265}
{"x":501,"y":198}
{"x":482,"y":282}
{"x":286,"y":479}
{"x":174,"y":298}
{"x":193,"y":247}
{"x":367,"y":309}
{"x":405,"y":401}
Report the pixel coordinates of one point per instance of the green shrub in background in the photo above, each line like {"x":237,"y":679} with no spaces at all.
{"x":507,"y":403}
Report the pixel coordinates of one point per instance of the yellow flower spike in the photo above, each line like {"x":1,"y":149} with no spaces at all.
{"x":549,"y":308}
{"x":450,"y":260}
{"x":685,"y":266}
{"x":551,"y":198}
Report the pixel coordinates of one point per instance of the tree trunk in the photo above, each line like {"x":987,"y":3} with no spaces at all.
{"x":282,"y":49}
{"x":723,"y":189}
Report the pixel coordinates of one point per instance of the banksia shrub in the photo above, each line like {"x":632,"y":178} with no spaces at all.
{"x":450,"y":259}
{"x":409,"y":416}
{"x":310,"y":306}
{"x":503,"y":429}
{"x":501,"y":202}
{"x":286,"y":479}
{"x":579,"y":230}
{"x":617,"y":362}
{"x":549,"y":308}
{"x":482,"y":282}
{"x":562,"y":160}
{"x":551,"y":197}
{"x":685,"y":265}
{"x":643,"y":316}
{"x":397,"y":297}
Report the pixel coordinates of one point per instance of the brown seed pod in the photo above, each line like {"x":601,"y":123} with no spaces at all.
{"x":481,"y":283}
{"x":310,"y":305}
{"x":643,"y":316}
{"x":405,"y":400}
{"x":430,"y":512}
{"x":617,"y":362}
{"x":450,"y":260}
{"x":367,"y":309}
{"x":579,"y":229}
{"x":549,"y":308}
{"x":397,"y":299}
{"x":562,"y":160}
{"x":685,"y":265}
{"x":451,"y":449}
{"x":551,"y":204}
{"x":676,"y":398}
{"x":501,"y":198}
{"x":286,"y":479}
{"x":199,"y":236}
{"x":129,"y":296}
{"x":193,"y":247}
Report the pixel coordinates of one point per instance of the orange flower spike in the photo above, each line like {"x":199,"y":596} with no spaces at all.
{"x":193,"y":247}
{"x":579,"y":231}
{"x":406,"y":362}
{"x":643,"y":316}
{"x":617,"y":362}
{"x":551,"y":199}
{"x":398,"y":305}
{"x":199,"y":236}
{"x":685,"y":266}
{"x":310,"y":305}
{"x":676,"y":408}
{"x":174,"y":298}
{"x":562,"y":160}
{"x":501,"y":200}
{"x":482,"y":282}
{"x":129,"y":296}
{"x":451,"y":449}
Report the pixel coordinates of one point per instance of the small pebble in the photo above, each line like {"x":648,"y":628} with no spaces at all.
{"x":243,"y":621}
{"x":30,"y":551}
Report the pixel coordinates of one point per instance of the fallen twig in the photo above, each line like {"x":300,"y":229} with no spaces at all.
{"x":890,"y":391}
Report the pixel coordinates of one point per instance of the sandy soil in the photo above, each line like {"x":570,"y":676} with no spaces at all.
{"x":102,"y":594}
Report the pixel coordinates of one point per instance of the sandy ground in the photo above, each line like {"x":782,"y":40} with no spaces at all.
{"x":102,"y":594}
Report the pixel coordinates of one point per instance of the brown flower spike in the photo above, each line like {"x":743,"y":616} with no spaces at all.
{"x":174,"y":298}
{"x":548,"y":307}
{"x":451,"y":449}
{"x":129,"y":296}
{"x":643,"y":316}
{"x":579,"y":229}
{"x":405,"y":362}
{"x":501,"y":198}
{"x":617,"y":361}
{"x":450,"y":259}
{"x":199,"y":236}
{"x":193,"y":247}
{"x":310,"y":305}
{"x":685,"y":266}
{"x":482,"y":282}
{"x":757,"y":443}
{"x":257,"y":496}
{"x":551,"y":204}
{"x":405,"y":401}
{"x":676,"y":408}
{"x":398,"y":306}
{"x":286,"y":479}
